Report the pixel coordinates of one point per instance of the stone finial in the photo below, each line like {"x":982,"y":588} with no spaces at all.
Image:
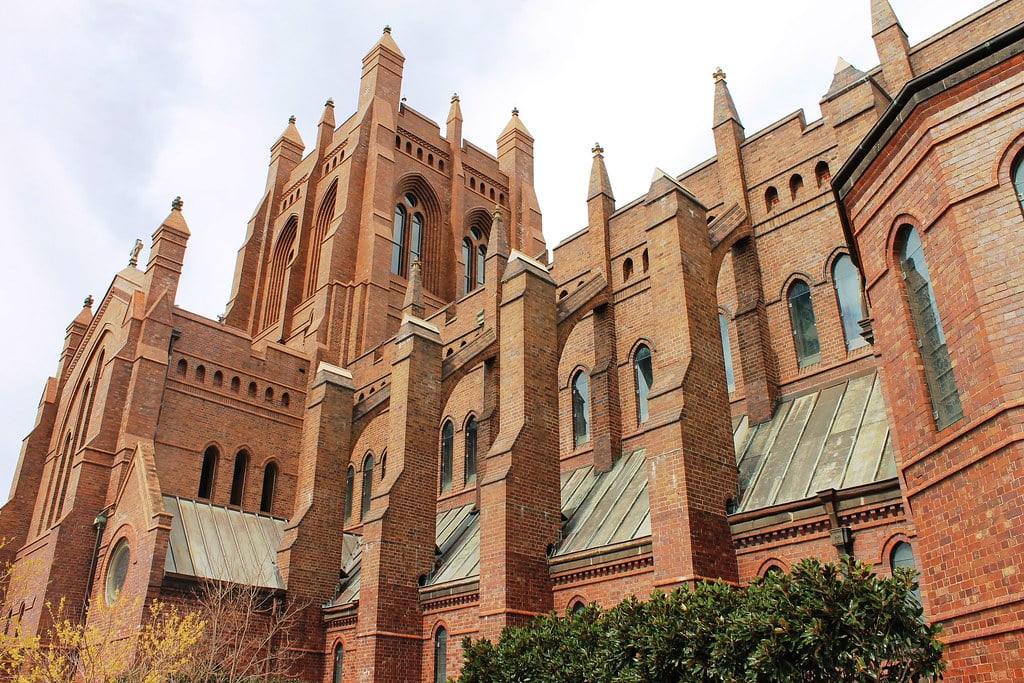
{"x":176,"y":203}
{"x":455,"y":97}
{"x":88,"y":302}
{"x":515,"y":111}
{"x":329,"y":102}
{"x":133,"y":259}
{"x":719,"y":75}
{"x":597,"y":149}
{"x":291,"y":119}
{"x":387,"y":28}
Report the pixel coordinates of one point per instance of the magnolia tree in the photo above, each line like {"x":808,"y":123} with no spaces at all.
{"x":820,"y":622}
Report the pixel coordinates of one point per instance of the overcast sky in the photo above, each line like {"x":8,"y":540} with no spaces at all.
{"x":113,"y":108}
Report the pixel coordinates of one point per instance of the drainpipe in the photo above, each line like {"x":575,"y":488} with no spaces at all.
{"x":99,"y":524}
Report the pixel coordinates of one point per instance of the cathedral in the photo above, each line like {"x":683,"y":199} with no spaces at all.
{"x":417,"y":421}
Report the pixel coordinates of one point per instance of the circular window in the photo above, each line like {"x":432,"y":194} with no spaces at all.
{"x":117,"y":570}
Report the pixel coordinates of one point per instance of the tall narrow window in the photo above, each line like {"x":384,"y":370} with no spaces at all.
{"x":367,"y":486}
{"x":730,"y":376}
{"x":238,"y":480}
{"x":846,"y":279}
{"x":805,"y":330}
{"x":1018,"y":179}
{"x":481,"y":258}
{"x":467,"y":258}
{"x":931,"y":340}
{"x":350,"y":485}
{"x":447,"y":443}
{"x":269,"y":484}
{"x":644,"y":371}
{"x":339,"y":664}
{"x":580,"y":408}
{"x":441,"y":655}
{"x":821,"y":172}
{"x":284,"y":252}
{"x":472,"y":428}
{"x":209,"y":471}
{"x":903,"y":558}
{"x":416,"y":245}
{"x":771,"y":198}
{"x":398,"y":241}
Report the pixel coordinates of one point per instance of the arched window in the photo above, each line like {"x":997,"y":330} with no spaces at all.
{"x":645,"y":259}
{"x":218,"y":378}
{"x":938,"y":370}
{"x":320,"y":225}
{"x":209,"y":471}
{"x":472,"y":428}
{"x":350,"y":484}
{"x":200,"y":374}
{"x":846,"y":279}
{"x":580,"y":408}
{"x":398,"y":241}
{"x":182,"y":367}
{"x":367,"y":486}
{"x":903,"y":558}
{"x":440,"y":655}
{"x":730,"y":376}
{"x":447,"y":443}
{"x":339,"y":664}
{"x":269,"y":484}
{"x":383,"y":465}
{"x":1018,"y":179}
{"x":771,"y":198}
{"x":467,"y":269}
{"x":644,"y":371}
{"x":481,"y":262}
{"x":805,"y":330}
{"x":627,"y":269}
{"x":821,"y":172}
{"x":238,"y":479}
{"x":284,"y":252}
{"x":403,"y":249}
{"x":796,"y":183}
{"x":235,"y":383}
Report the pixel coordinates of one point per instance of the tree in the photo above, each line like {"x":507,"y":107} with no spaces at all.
{"x":820,"y":622}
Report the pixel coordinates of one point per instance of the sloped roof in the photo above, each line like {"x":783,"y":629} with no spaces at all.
{"x":834,"y":438}
{"x":351,"y":567}
{"x":215,"y":542}
{"x":607,"y":508}
{"x":458,"y":540}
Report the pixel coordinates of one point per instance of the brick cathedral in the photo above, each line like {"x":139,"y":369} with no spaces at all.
{"x":419,"y":424}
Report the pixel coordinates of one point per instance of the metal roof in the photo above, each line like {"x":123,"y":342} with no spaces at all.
{"x":834,"y":438}
{"x":607,"y":508}
{"x":215,"y":542}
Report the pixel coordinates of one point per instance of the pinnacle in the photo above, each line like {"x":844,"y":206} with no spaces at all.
{"x":725,"y":108}
{"x":414,"y":291}
{"x":515,"y":124}
{"x":599,"y":181}
{"x":882,"y":16}
{"x":497,"y":242}
{"x":291,"y":133}
{"x":388,"y":43}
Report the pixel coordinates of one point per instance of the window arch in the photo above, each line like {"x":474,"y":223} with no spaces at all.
{"x":931,"y":340}
{"x":805,"y":329}
{"x":200,"y":374}
{"x":472,"y":432}
{"x":730,"y":376}
{"x":627,"y":269}
{"x":407,"y":234}
{"x":474,"y":252}
{"x":577,"y":606}
{"x":218,"y":378}
{"x":580,"y":408}
{"x":846,"y":279}
{"x":440,"y":655}
{"x":269,"y":485}
{"x":350,"y":482}
{"x":447,"y":447}
{"x":209,"y":472}
{"x":182,"y":367}
{"x":902,"y":557}
{"x":238,"y":479}
{"x":339,"y":664}
{"x":796,"y":183}
{"x":643,"y":369}
{"x":821,"y":172}
{"x":1018,"y":178}
{"x":771,"y":198}
{"x":284,"y":252}
{"x":367,"y":486}
{"x":320,"y":225}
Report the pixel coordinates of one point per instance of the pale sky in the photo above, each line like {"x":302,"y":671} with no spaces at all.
{"x":114,"y":107}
